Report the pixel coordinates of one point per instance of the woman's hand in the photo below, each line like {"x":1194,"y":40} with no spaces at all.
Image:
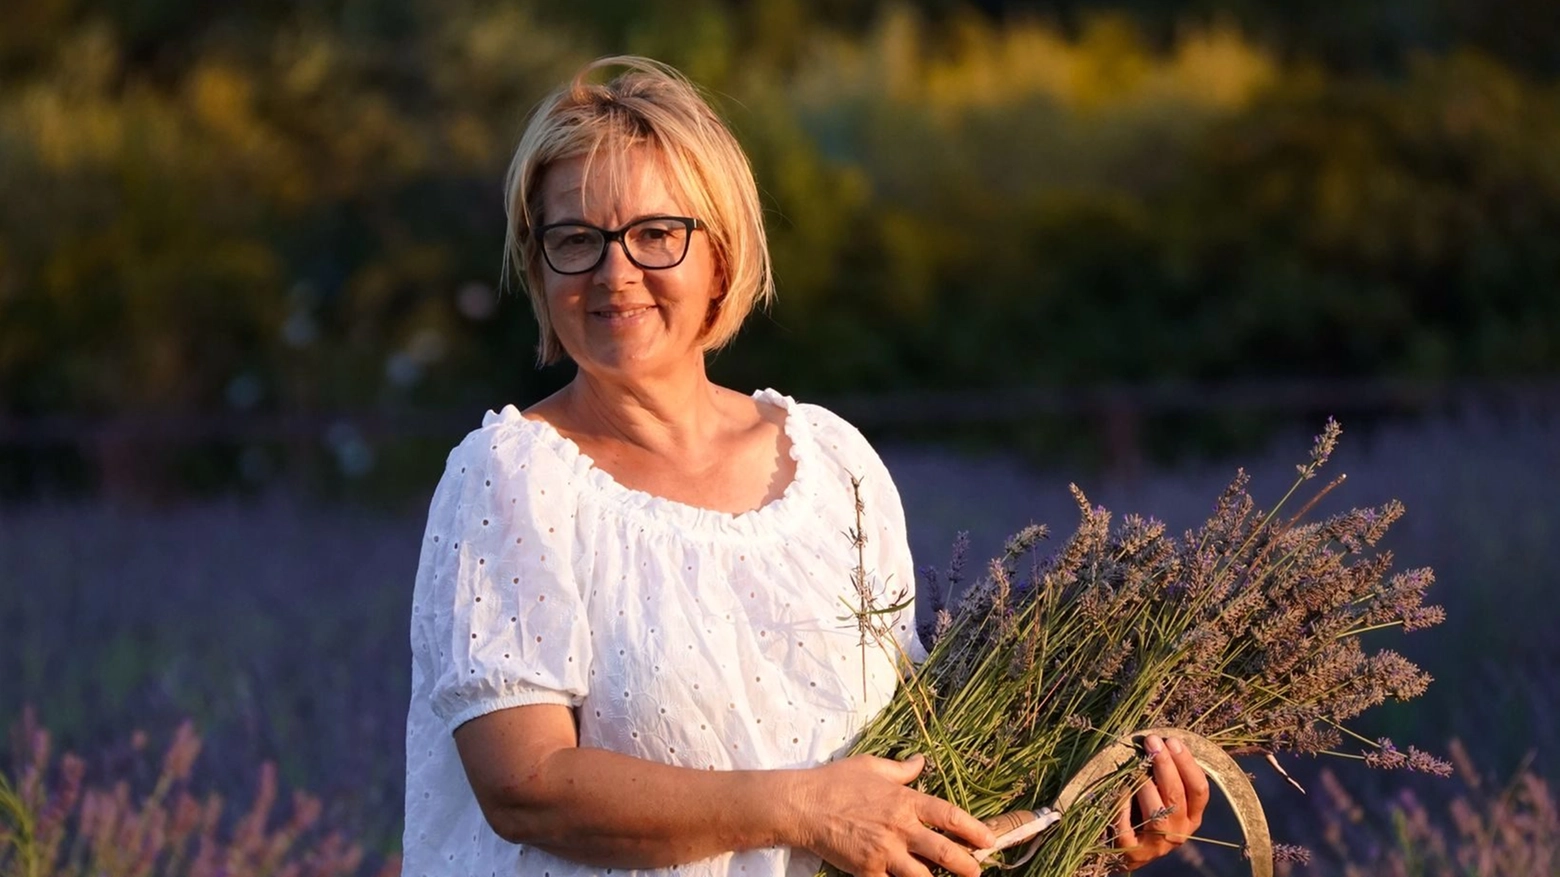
{"x":860,"y":817}
{"x":1180,"y":787}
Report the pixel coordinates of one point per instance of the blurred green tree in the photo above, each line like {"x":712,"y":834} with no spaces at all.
{"x":296,"y":207}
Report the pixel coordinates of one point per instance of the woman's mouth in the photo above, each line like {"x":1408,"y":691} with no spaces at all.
{"x":619,"y":316}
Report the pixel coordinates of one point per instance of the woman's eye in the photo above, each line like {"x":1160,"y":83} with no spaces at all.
{"x":561,"y":239}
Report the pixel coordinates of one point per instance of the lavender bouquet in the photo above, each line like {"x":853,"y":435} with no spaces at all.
{"x":1245,"y":631}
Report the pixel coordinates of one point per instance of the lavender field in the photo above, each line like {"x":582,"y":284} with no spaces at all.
{"x":281,"y":628}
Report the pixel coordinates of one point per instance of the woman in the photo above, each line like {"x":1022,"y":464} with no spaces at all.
{"x":628,"y":653}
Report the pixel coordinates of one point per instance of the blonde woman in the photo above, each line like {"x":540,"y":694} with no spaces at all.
{"x":627,"y":650}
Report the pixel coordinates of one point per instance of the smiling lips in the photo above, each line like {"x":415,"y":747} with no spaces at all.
{"x":622,"y":314}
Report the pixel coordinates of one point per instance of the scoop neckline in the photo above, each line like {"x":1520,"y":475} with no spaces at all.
{"x":648,"y":506}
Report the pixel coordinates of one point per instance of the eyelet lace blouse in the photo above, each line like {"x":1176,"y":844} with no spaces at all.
{"x":677,"y":634}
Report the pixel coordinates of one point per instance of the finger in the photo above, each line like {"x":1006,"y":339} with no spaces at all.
{"x":907,"y":865}
{"x":1194,"y":780}
{"x":904,"y":772}
{"x":941,"y":851}
{"x":1126,"y":835}
{"x":1127,"y":841}
{"x":1168,"y":789}
{"x":1151,"y":821}
{"x":1151,"y":806}
{"x":947,"y":816}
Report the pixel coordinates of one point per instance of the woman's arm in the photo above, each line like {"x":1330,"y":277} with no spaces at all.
{"x":538,"y":787}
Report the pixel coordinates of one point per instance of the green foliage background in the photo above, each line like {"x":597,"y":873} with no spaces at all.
{"x":295,"y":207}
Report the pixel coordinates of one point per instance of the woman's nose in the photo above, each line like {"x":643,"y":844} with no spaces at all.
{"x":615,"y":266}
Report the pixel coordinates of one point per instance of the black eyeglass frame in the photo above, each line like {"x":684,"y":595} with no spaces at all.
{"x":608,"y":236}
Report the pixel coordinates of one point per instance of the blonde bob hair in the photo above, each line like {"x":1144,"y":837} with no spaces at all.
{"x":651,"y":105}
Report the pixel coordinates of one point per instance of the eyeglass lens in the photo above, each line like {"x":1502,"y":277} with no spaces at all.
{"x":650,"y":243}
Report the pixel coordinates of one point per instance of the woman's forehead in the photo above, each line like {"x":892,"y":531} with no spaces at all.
{"x":636,"y":181}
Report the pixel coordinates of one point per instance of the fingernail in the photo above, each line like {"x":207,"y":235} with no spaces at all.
{"x":1175,"y":745}
{"x":1153,"y":744}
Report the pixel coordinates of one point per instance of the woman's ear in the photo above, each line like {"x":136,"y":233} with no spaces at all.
{"x":713,"y":312}
{"x":717,"y":294}
{"x":722,"y":280}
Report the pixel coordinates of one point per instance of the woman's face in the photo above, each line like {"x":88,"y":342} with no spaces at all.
{"x":619,"y":321}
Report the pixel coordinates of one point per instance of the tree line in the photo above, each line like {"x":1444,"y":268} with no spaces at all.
{"x":296,"y":207}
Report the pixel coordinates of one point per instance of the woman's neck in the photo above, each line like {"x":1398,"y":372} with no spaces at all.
{"x":672,"y":415}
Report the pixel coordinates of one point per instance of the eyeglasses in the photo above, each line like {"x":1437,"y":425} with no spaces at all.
{"x":652,"y":243}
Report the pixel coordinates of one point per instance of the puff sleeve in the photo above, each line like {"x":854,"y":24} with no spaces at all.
{"x":498,"y":618}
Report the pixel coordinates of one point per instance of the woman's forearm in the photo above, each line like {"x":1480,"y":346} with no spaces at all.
{"x":537,"y":787}
{"x":608,"y":809}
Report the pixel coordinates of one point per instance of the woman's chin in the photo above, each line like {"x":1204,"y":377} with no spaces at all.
{"x":633,"y":361}
{"x":635,"y":348}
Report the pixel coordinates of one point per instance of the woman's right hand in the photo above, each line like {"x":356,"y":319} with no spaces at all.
{"x":860,"y":816}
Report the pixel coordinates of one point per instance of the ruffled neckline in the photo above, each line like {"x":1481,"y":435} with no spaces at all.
{"x":754,"y":523}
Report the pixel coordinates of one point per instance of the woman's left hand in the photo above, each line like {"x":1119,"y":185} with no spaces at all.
{"x":1178,"y":793}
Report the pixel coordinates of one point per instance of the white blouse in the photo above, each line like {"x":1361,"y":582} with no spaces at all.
{"x":680,"y":635}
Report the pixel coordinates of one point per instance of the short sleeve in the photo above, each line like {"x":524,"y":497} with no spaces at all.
{"x":497,"y":612}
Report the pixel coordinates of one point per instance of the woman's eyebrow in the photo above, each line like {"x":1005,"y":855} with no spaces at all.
{"x":574,"y":220}
{"x":654,"y":214}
